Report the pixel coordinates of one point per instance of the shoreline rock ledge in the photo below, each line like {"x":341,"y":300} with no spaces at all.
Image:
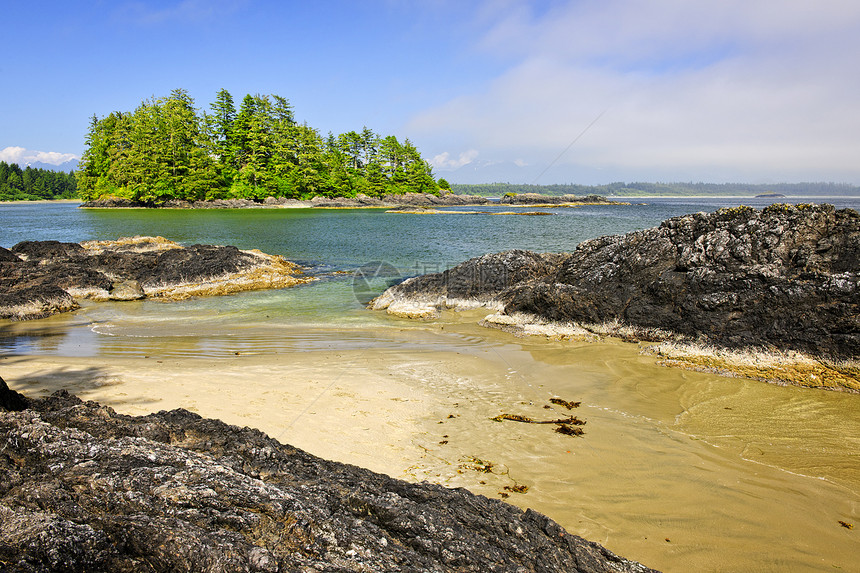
{"x":41,"y":278}
{"x":83,"y":488}
{"x":784,"y":278}
{"x":359,"y":201}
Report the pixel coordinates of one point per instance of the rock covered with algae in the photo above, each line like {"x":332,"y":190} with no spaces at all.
{"x":83,"y":488}
{"x":785,"y":278}
{"x":40,"y":278}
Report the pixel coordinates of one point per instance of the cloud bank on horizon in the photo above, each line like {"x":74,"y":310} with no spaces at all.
{"x":733,"y":90}
{"x":545,"y":91}
{"x":24,"y":157}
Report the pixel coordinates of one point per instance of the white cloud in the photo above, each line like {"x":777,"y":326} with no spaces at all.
{"x":445,"y":161}
{"x":23,"y":156}
{"x":719,"y":87}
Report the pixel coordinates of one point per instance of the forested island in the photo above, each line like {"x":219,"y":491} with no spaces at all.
{"x":640,"y":189}
{"x":31,"y":184}
{"x":167,"y":150}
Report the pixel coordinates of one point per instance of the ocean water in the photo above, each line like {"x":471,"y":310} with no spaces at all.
{"x":683,"y":471}
{"x":333,"y":244}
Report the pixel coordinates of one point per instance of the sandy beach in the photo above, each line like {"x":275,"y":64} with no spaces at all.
{"x":679,"y":470}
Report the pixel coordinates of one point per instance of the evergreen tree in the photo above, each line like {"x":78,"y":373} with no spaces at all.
{"x":221,"y":131}
{"x":147,"y":159}
{"x":166,"y":149}
{"x":32,"y":184}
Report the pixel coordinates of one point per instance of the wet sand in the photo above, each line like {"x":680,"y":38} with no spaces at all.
{"x":683,"y":471}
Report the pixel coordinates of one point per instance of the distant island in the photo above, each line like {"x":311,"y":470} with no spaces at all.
{"x":167,"y":150}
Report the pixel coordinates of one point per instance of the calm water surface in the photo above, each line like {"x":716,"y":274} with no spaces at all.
{"x":680,"y":470}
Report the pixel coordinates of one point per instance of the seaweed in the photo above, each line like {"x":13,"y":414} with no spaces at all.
{"x":569,"y":430}
{"x":565,"y":403}
{"x":477,"y":464}
{"x":517,"y":488}
{"x":519,"y":418}
{"x":513,"y":418}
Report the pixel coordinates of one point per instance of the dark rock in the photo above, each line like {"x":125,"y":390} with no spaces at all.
{"x":10,"y":400}
{"x":176,"y":204}
{"x":46,"y":249}
{"x":34,"y":301}
{"x":428,"y":200}
{"x":483,"y":276}
{"x":7,"y":256}
{"x":786,"y":277}
{"x":72,"y":274}
{"x":192,"y":264}
{"x":215,"y":204}
{"x":53,"y":273}
{"x":124,"y":263}
{"x":40,"y":285}
{"x":114,"y":203}
{"x":359,"y":201}
{"x":538,"y":199}
{"x":83,"y":488}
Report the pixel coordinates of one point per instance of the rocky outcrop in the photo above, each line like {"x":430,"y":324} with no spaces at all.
{"x":46,"y":277}
{"x":359,"y":201}
{"x":476,"y":282}
{"x":83,"y":488}
{"x":786,"y":277}
{"x":7,"y":256}
{"x":533,"y":199}
{"x":10,"y":400}
{"x":427,"y":200}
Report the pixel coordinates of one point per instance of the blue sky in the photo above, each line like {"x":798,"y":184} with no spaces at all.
{"x":495,"y":90}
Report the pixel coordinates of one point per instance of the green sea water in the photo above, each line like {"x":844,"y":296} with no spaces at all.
{"x":331,"y":244}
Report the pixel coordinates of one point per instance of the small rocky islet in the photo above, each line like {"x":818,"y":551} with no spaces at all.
{"x":397,"y":201}
{"x":359,"y":201}
{"x":41,"y":278}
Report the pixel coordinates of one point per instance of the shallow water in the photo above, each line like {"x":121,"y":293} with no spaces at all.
{"x":683,"y":471}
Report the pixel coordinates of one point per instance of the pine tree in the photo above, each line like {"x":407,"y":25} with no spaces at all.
{"x":222,"y":132}
{"x":166,"y":150}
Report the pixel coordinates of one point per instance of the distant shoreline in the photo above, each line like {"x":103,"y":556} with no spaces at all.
{"x":307,"y":204}
{"x":811,"y":198}
{"x":41,"y":201}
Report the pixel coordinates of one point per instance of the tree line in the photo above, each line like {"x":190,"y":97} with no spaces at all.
{"x":166,"y":149}
{"x":31,"y":184}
